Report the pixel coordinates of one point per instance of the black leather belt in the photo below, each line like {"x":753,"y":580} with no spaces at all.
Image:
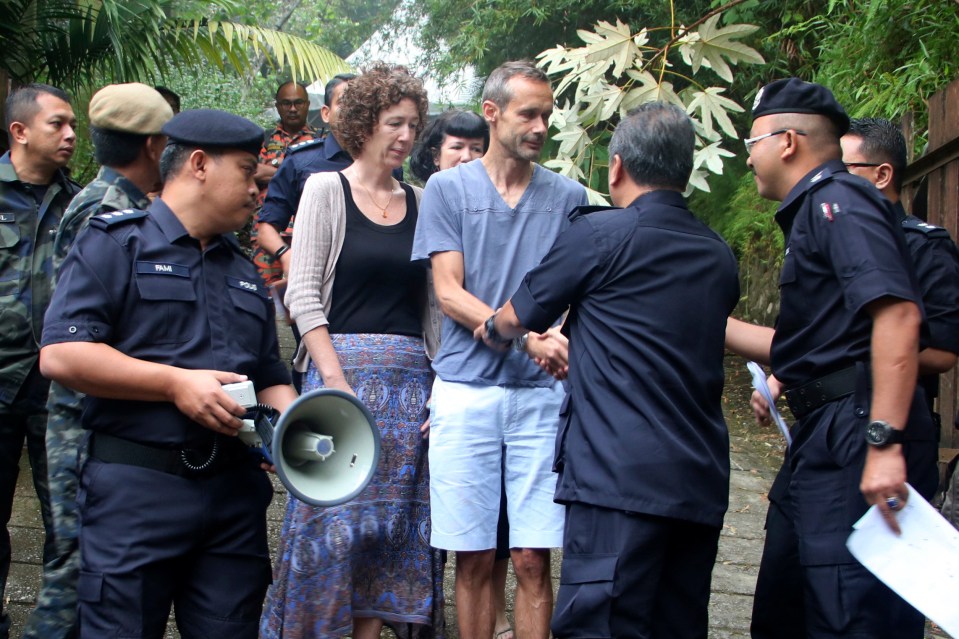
{"x":808,"y":397}
{"x":183,"y":463}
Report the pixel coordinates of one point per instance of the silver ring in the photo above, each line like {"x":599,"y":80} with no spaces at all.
{"x":893,"y":503}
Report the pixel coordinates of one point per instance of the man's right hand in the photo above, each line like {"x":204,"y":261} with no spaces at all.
{"x":758,"y":402}
{"x":200,"y":396}
{"x":550,"y":351}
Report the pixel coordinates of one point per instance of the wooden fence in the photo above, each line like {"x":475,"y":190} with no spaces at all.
{"x":938,"y":171}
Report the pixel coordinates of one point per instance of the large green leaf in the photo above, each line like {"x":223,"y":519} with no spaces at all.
{"x":711,"y":104}
{"x":610,"y":44}
{"x":712,"y":45}
{"x":73,"y":43}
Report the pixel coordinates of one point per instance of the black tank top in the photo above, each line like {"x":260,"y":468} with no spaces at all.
{"x":376,"y":289}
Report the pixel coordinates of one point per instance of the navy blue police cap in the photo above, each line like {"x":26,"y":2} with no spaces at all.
{"x":209,"y":128}
{"x":792,"y":95}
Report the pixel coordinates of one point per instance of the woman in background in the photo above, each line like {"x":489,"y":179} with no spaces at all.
{"x":452,"y":138}
{"x":363,"y":310}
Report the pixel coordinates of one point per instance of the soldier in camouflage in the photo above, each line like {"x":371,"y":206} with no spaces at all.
{"x":125,"y":122}
{"x":34,"y":191}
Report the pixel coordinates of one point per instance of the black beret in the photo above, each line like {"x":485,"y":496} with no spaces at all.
{"x":792,"y":95}
{"x":209,"y":128}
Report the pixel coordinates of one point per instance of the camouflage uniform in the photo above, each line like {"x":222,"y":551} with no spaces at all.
{"x":273,"y":151}
{"x":56,"y":612}
{"x":27,"y":230}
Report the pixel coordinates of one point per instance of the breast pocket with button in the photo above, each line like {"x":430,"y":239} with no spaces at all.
{"x":169,"y":301}
{"x":251,"y":302}
{"x":9,"y":239}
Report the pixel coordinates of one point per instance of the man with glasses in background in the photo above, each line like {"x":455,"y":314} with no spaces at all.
{"x":293,"y":106}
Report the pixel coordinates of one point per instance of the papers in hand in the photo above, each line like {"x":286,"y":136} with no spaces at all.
{"x":921,"y":565}
{"x":759,"y":383}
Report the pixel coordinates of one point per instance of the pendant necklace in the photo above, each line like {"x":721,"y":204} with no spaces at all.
{"x":370,"y":195}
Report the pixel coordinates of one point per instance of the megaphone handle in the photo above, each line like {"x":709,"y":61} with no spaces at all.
{"x":264,"y":416}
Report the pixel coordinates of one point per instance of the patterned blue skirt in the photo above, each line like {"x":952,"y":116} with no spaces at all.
{"x":370,"y":557}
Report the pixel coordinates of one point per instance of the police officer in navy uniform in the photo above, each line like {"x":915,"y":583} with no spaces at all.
{"x":846,"y":349}
{"x":649,"y":288}
{"x":875,"y":150}
{"x":154,"y":311}
{"x":302,"y":160}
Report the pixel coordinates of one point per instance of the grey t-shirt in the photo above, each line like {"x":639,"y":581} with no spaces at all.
{"x":462,"y":211}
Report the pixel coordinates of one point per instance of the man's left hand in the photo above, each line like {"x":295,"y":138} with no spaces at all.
{"x":480,"y":336}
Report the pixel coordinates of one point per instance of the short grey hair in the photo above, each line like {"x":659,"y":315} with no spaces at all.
{"x":655,"y":143}
{"x":497,"y":90}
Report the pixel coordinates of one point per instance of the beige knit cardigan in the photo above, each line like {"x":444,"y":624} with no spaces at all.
{"x":317,"y":242}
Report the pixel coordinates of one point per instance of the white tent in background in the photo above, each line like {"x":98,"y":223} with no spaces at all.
{"x":401,"y":48}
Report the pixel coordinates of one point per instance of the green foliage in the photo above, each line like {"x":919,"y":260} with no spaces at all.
{"x":70,"y":43}
{"x":338,"y":25}
{"x":735,"y":210}
{"x":886,"y":58}
{"x":485,"y":33}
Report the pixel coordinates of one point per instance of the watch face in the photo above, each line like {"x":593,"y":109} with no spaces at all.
{"x":877,"y":433}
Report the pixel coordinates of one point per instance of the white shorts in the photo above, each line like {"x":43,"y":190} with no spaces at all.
{"x":472,"y":427}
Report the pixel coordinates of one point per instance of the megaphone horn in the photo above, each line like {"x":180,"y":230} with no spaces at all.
{"x":325,"y":446}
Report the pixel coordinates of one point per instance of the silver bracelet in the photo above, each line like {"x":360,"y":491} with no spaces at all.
{"x":520,"y":343}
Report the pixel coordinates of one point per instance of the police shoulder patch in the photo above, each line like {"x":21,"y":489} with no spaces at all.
{"x":914,"y":224}
{"x":299,"y":146}
{"x":113,"y":218}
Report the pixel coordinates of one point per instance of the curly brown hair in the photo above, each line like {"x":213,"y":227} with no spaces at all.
{"x":369,"y":94}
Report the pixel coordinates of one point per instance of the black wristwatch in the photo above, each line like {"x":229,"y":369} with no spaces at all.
{"x":280,"y":251}
{"x":491,"y":334}
{"x":880,"y":434}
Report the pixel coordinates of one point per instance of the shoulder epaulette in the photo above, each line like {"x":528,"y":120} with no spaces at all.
{"x":586,"y":209}
{"x":914,"y":224}
{"x":823,"y":177}
{"x":107,"y":220}
{"x":299,"y":146}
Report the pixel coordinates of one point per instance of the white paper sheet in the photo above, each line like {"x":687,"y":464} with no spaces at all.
{"x":759,"y":383}
{"x":921,"y":564}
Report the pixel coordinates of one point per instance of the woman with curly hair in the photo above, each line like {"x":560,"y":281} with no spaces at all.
{"x":365,"y":314}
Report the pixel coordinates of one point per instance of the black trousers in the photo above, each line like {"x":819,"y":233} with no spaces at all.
{"x":809,"y":586}
{"x":633,"y":575}
{"x":149,"y":540}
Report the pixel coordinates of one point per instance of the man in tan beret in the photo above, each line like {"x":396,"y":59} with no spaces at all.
{"x":125,"y":123}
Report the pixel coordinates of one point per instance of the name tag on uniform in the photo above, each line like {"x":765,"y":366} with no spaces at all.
{"x":246,"y":285}
{"x":161,"y":268}
{"x":7,"y":218}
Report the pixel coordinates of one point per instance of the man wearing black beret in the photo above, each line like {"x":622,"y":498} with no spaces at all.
{"x":154,"y":311}
{"x":845,"y":348}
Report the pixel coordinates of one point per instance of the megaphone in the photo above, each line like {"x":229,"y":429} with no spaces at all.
{"x":325,"y":446}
